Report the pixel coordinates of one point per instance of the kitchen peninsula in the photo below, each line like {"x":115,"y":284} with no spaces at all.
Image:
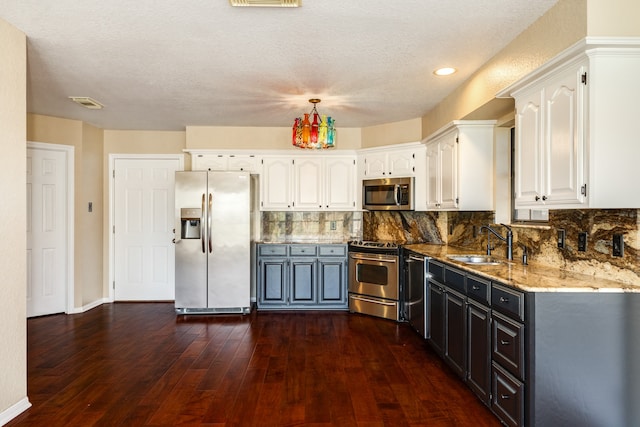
{"x":563,"y":347}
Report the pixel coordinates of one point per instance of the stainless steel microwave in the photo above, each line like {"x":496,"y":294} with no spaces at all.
{"x":387,"y":194}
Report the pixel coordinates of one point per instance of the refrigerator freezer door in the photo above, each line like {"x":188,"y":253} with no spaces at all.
{"x":191,"y":259}
{"x":229,"y":264}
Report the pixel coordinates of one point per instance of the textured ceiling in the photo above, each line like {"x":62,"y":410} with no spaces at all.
{"x":165,"y":65}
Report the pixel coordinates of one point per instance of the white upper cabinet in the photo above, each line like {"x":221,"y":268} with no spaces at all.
{"x":340,"y":183}
{"x":459,"y":162}
{"x":577,"y":145}
{"x":549,"y":147}
{"x":276,"y":184}
{"x":396,"y":161}
{"x":389,"y":162}
{"x":308,"y":183}
{"x":224,"y":162}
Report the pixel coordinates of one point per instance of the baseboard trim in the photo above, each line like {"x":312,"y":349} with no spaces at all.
{"x":87,"y":307}
{"x":14,"y":410}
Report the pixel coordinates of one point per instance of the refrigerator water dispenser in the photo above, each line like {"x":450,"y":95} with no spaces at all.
{"x":190,"y":223}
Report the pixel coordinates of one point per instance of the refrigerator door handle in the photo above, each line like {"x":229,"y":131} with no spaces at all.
{"x":209,"y":221}
{"x":202,"y":224}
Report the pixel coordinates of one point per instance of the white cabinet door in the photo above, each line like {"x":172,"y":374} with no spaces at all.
{"x":276,"y":184}
{"x":375,"y":165}
{"x":340,"y":183}
{"x":448,"y":151}
{"x":212,"y":162}
{"x":308,"y":183}
{"x":564,"y":174}
{"x":433,"y":176}
{"x":550,"y":144}
{"x":400,"y":163}
{"x":243,"y":163}
{"x":528,"y":149}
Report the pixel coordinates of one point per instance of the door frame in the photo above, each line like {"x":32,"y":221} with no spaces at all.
{"x":69,"y":151}
{"x":111,"y":179}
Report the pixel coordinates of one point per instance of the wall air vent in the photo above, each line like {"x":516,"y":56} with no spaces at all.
{"x":87,"y":102}
{"x":266,"y":3}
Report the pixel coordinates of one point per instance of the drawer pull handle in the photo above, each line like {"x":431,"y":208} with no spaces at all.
{"x":475,"y":287}
{"x":504,"y":396}
{"x":503,"y":299}
{"x":504,"y":342}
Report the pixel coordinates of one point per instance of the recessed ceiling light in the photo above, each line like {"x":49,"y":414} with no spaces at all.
{"x":446,"y":71}
{"x":266,"y":3}
{"x":87,"y":102}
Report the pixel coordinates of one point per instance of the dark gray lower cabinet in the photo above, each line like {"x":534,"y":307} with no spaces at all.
{"x":436,"y":316}
{"x":479,"y":350}
{"x":302,"y":276}
{"x":508,"y":397}
{"x":455,"y":331}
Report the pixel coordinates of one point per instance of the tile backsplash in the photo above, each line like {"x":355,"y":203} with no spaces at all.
{"x":311,"y":226}
{"x":462,"y":229}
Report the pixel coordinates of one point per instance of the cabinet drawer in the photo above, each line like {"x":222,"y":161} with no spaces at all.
{"x":454,"y":279}
{"x":272,"y":250}
{"x":507,"y":301}
{"x":479,"y":289}
{"x":507,"y":337}
{"x":332,"y":250}
{"x":303,"y":250}
{"x":507,"y":401}
{"x":436,"y":271}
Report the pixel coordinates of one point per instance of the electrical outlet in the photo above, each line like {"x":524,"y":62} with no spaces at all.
{"x":90,"y":206}
{"x":582,"y":241}
{"x":332,"y":225}
{"x":561,"y":238}
{"x":618,"y":245}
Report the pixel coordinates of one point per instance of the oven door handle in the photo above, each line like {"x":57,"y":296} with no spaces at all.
{"x":365,"y":258}
{"x":373,"y":301}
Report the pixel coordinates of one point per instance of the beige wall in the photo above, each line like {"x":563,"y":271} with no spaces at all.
{"x":259,"y":138}
{"x":613,"y":18}
{"x":392,"y":133}
{"x":87,"y":143}
{"x":563,"y":25}
{"x":91,"y":232}
{"x":13,"y":213}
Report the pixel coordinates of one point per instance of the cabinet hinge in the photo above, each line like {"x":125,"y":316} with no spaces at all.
{"x":457,"y":200}
{"x":457,"y":140}
{"x":114,"y":230}
{"x":114,"y":284}
{"x":584,"y":78}
{"x":262,"y":161}
{"x":413,"y":155}
{"x":113,"y":173}
{"x":583,"y":190}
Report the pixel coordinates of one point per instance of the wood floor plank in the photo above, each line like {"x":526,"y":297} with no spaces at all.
{"x":140,"y":364}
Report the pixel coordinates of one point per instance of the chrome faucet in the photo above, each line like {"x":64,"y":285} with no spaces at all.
{"x":508,"y":239}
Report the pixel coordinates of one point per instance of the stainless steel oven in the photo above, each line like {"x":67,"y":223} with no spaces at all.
{"x":374,"y":279}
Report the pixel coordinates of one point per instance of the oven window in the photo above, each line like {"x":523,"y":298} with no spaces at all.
{"x":374,"y":274}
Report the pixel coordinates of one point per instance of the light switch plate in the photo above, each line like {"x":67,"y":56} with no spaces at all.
{"x":618,"y":245}
{"x":582,"y":241}
{"x":561,"y":238}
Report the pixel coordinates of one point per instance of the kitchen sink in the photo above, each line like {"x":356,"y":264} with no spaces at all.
{"x":476,"y":259}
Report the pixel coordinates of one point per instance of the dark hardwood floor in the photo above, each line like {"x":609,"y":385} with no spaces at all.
{"x":136,"y":364}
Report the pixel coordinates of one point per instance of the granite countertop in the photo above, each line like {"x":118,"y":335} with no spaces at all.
{"x":302,"y":242}
{"x":530,"y":278}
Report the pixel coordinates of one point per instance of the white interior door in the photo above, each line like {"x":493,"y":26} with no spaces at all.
{"x":144,"y":263}
{"x":47,"y":231}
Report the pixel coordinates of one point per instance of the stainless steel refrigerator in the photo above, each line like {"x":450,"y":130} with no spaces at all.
{"x":212,"y":237}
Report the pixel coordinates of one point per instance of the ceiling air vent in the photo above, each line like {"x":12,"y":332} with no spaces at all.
{"x":266,"y":3}
{"x":87,"y":102}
